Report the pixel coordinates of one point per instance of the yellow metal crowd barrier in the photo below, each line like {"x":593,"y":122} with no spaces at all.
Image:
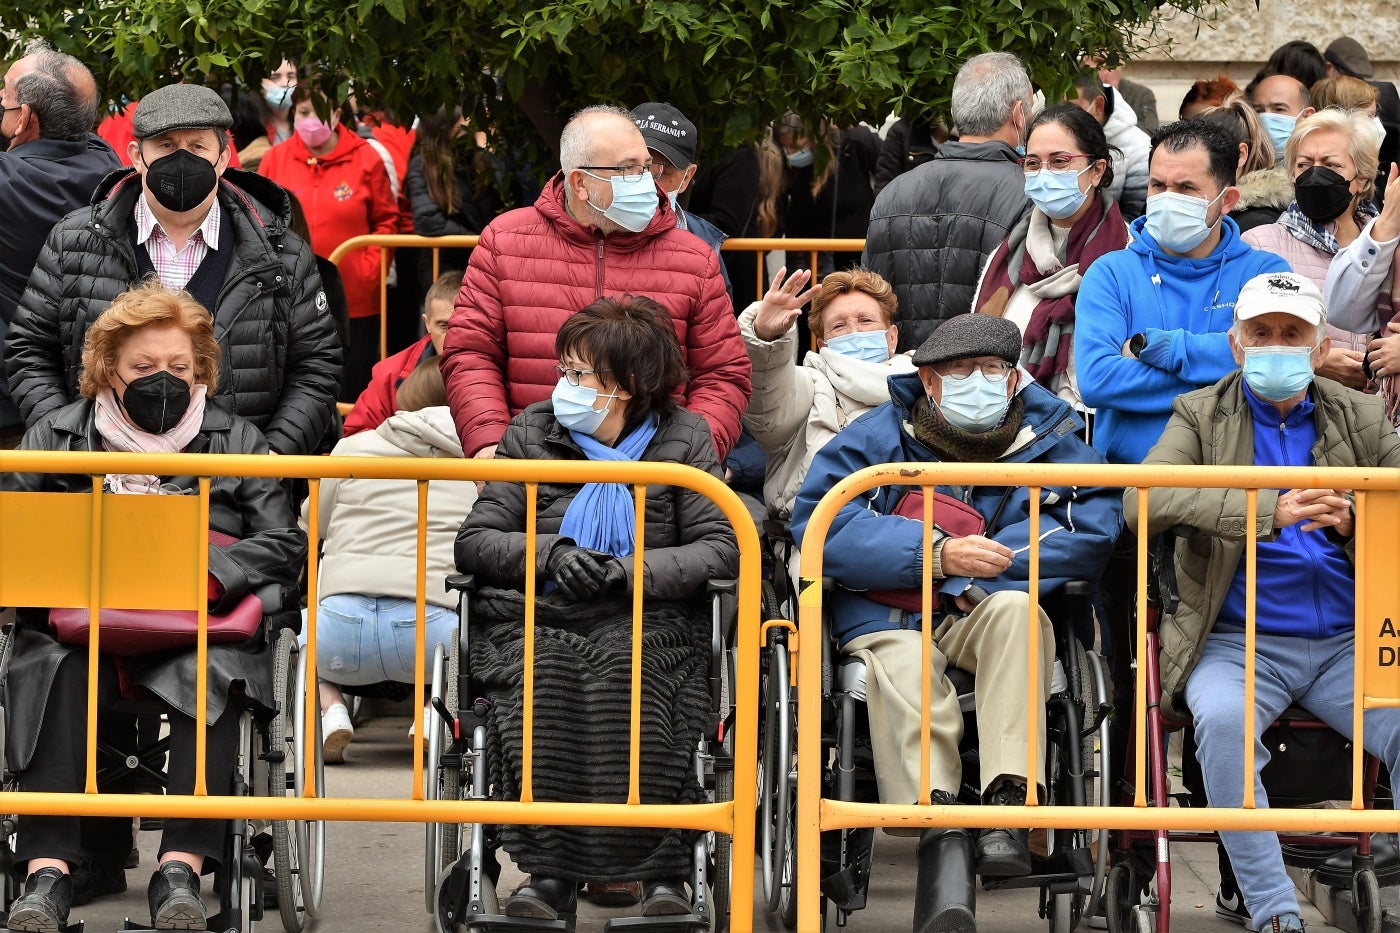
{"x":1377,"y":504}
{"x":759,"y":246}
{"x":66,"y":549}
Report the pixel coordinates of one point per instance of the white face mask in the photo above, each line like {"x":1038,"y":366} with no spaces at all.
{"x":1380,"y":128}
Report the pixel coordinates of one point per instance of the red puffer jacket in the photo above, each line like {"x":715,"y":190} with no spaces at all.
{"x":536,"y":266}
{"x":344,"y":194}
{"x":379,"y":400}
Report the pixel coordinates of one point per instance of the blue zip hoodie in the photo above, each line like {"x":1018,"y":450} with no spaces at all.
{"x":1183,"y":306}
{"x":869,"y":548}
{"x":1306,"y":584}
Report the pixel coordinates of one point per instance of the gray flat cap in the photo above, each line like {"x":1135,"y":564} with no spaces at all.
{"x":180,"y":107}
{"x":971,"y":335}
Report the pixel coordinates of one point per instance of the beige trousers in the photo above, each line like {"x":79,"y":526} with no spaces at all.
{"x":990,"y":642}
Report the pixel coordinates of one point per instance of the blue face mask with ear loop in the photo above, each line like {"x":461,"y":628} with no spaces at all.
{"x":1278,"y":373}
{"x":633,"y":202}
{"x":1057,"y":194}
{"x":872,"y":346}
{"x":1178,"y":221}
{"x":975,"y":404}
{"x":1280,"y":128}
{"x":573,"y":407}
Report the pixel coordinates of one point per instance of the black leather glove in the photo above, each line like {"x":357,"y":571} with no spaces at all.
{"x":614,"y":575}
{"x":577,"y":571}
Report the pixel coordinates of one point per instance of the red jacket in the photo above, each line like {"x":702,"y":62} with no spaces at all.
{"x":535,"y":266}
{"x":344,"y":194}
{"x":379,"y":400}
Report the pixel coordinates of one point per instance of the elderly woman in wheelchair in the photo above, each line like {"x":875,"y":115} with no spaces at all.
{"x":620,"y":365}
{"x":150,"y":366}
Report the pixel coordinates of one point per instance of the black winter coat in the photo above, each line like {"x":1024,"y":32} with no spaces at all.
{"x":40,"y":182}
{"x":266,"y":560}
{"x":688,"y":541}
{"x":282,"y":358}
{"x":933,"y":228}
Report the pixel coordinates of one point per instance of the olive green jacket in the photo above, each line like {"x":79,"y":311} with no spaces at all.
{"x":1213,"y":426}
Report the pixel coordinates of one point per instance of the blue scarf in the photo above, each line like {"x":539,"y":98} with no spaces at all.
{"x":603,"y":516}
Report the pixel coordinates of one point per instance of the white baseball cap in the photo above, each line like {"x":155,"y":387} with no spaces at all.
{"x":1283,"y":293}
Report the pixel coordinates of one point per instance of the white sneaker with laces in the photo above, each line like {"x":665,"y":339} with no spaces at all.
{"x":338,"y":731}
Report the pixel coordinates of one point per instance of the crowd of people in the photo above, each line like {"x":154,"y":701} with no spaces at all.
{"x":1052,"y":281}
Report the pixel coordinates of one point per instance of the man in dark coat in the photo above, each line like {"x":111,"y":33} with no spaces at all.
{"x":932,"y":228}
{"x":181,"y":214}
{"x":50,"y":163}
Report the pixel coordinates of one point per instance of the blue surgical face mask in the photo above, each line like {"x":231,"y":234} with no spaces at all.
{"x":672,"y":196}
{"x":1279,"y":127}
{"x":1057,"y":194}
{"x":573,"y":407}
{"x":801,"y":158}
{"x":975,"y":404}
{"x":278,"y":97}
{"x":1278,"y":373}
{"x":872,"y":346}
{"x":633,"y":202}
{"x":1178,"y":221}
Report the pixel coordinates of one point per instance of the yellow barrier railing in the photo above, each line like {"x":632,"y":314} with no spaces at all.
{"x":102,"y":556}
{"x":1377,"y":504}
{"x":760,"y":246}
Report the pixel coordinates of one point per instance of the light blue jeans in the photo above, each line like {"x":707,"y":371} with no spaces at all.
{"x":368,"y":640}
{"x":1316,"y":674}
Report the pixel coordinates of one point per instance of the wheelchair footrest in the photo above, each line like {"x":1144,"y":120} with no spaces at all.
{"x":678,"y":923}
{"x":500,"y":923}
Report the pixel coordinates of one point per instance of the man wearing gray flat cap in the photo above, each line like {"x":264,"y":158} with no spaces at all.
{"x":182,"y":215}
{"x":967,"y":403}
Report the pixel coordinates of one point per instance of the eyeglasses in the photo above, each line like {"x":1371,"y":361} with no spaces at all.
{"x":630,"y":174}
{"x":995,"y":370}
{"x":572,"y":376}
{"x":1059,"y":162}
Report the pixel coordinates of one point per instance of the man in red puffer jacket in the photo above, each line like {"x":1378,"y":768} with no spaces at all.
{"x":594,"y":231}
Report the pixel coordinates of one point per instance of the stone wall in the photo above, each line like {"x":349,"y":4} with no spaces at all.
{"x":1237,"y":38}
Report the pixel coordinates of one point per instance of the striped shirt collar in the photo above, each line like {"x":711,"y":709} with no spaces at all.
{"x":147,"y":224}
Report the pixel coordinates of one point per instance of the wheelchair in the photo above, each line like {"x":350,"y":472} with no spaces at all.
{"x":1138,"y":893}
{"x":1069,"y":866}
{"x":269,"y":761}
{"x":461,"y":869}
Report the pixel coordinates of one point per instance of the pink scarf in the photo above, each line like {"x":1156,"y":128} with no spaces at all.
{"x":121,"y":435}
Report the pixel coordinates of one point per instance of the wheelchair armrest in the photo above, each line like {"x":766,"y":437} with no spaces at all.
{"x":724,"y":587}
{"x":460,"y":582}
{"x":778,"y":529}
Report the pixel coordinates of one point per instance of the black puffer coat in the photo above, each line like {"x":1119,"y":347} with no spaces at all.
{"x":266,"y":560}
{"x":933,"y":228}
{"x":688,"y":540}
{"x":282,"y":358}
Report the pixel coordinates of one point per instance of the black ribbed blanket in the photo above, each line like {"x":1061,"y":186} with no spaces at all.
{"x":581,"y":719}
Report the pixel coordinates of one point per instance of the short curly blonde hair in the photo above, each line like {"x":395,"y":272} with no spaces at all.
{"x":149,"y":304}
{"x":845,"y":282}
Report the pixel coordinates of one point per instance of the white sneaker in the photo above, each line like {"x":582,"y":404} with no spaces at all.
{"x":338,"y":731}
{"x":428,"y":715}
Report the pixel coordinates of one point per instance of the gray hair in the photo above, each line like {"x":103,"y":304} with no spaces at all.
{"x":985,"y":90}
{"x":575,"y":143}
{"x":1363,"y":145}
{"x":60,"y":91}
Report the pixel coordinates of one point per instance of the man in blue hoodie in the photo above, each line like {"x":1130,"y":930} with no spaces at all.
{"x":1272,"y":412}
{"x":970,"y":403}
{"x":1150,"y":321}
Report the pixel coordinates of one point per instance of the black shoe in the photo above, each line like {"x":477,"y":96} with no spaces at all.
{"x":91,"y":881}
{"x":1004,"y":853}
{"x":174,"y":898}
{"x":44,"y":905}
{"x":1229,"y":905}
{"x":544,"y":899}
{"x":665,"y":898}
{"x":945,"y":891}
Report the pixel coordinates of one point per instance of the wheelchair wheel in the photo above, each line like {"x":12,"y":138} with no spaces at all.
{"x":779,"y":804}
{"x":1366,"y":901}
{"x":1121,"y":896}
{"x":441,"y":839}
{"x":298,"y":846}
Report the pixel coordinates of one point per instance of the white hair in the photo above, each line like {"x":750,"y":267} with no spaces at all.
{"x":575,"y":143}
{"x":986,"y":88}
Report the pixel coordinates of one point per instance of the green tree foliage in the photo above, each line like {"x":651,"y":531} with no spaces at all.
{"x":731,"y":65}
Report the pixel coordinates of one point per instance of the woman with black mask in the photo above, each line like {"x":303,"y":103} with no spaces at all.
{"x":1331,"y":157}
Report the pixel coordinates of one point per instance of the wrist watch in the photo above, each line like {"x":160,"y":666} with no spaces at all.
{"x":1136,"y":344}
